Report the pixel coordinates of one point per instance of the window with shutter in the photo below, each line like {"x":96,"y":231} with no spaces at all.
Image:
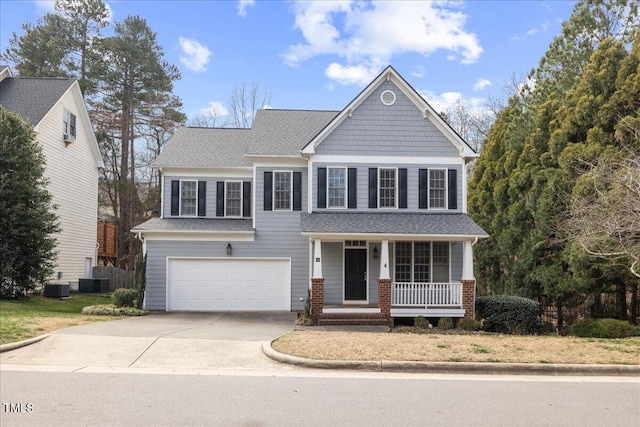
{"x":233,"y":199}
{"x":337,"y":187}
{"x":437,"y":189}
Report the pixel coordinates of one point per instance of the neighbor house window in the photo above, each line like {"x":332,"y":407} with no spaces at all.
{"x":188,"y":198}
{"x":422,"y":262}
{"x":282,"y":190}
{"x":387,"y":188}
{"x":337,"y":184}
{"x":69,"y":126}
{"x":233,"y":198}
{"x":437,"y":188}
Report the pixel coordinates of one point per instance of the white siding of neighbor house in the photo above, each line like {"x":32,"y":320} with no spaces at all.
{"x":73,"y":182}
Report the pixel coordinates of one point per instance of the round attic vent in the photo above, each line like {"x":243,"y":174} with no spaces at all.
{"x":388,"y":97}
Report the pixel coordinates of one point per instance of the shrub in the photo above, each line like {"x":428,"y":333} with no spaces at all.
{"x":602,"y":328}
{"x":445,"y":323}
{"x":112,"y":310}
{"x":468,"y":324}
{"x":421,"y":322}
{"x":509,"y":314}
{"x":125,"y":297}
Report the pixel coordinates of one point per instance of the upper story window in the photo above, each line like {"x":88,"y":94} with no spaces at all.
{"x":282,"y":190}
{"x":233,"y":198}
{"x":188,"y":198}
{"x":387,"y":188}
{"x":437,"y":188}
{"x":69,"y":126}
{"x":337,"y":184}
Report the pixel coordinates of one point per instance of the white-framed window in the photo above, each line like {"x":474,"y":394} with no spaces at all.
{"x":422,"y":262}
{"x":437,"y":188}
{"x":282,"y":190}
{"x":233,"y":198}
{"x":69,"y":126}
{"x":337,"y":186}
{"x":188,"y":197}
{"x":387,"y":187}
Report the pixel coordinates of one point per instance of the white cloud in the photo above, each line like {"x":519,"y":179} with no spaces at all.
{"x":447,"y":100}
{"x":368,"y":34}
{"x":418,"y":71}
{"x":481,"y":84}
{"x":215,"y":109}
{"x":533,"y":31}
{"x":243,"y":5}
{"x":194,"y":55}
{"x":350,"y":74}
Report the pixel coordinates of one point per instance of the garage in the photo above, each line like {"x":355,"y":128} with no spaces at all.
{"x":228,"y":284}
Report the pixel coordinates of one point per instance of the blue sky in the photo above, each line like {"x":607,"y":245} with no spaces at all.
{"x":321,"y":54}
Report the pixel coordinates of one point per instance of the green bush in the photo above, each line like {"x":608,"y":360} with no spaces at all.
{"x":421,"y":322}
{"x":602,"y":328}
{"x":468,"y":324}
{"x":445,"y":323}
{"x":509,"y":314}
{"x":112,"y":310}
{"x":125,"y":297}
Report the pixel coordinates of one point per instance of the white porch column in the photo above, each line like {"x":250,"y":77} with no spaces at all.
{"x":467,"y":262}
{"x":384,"y":260}
{"x":317,"y":259}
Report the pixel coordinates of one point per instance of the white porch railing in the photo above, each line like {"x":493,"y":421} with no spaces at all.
{"x":427,"y":294}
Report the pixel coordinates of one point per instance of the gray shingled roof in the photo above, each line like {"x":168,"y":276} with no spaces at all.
{"x":194,"y":224}
{"x":206,"y":147}
{"x":32,"y":98}
{"x":285,"y":132}
{"x":432,"y":224}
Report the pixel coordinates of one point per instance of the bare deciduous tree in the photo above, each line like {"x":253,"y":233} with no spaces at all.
{"x":244,"y":103}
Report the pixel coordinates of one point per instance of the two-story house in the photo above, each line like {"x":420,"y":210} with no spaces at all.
{"x":365,"y":207}
{"x":56,"y":109}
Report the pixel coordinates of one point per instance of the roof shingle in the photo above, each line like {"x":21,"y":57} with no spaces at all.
{"x":32,"y":98}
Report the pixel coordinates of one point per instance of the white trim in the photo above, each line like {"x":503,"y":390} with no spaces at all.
{"x":199,"y":236}
{"x":346,"y":188}
{"x":397,"y":185}
{"x":273,"y":191}
{"x":464,"y":188}
{"x":207,"y":172}
{"x":387,"y":160}
{"x":310,"y":186}
{"x":161,"y":177}
{"x":271,"y":161}
{"x":254,"y":186}
{"x":446,"y":189}
{"x":427,"y":312}
{"x":388,"y":104}
{"x":352,"y":310}
{"x":241,"y":199}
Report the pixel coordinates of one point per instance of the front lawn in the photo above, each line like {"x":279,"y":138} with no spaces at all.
{"x":450,"y":347}
{"x":29,"y":317}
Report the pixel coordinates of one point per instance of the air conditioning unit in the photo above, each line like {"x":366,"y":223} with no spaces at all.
{"x":68,"y":138}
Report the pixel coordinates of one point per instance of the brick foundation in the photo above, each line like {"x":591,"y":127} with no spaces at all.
{"x":317,"y":298}
{"x":469,"y":298}
{"x":384,"y":299}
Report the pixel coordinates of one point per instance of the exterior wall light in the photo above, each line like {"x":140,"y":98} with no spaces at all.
{"x":375,"y":252}
{"x":229,"y":249}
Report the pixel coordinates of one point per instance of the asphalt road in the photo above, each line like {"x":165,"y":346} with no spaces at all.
{"x":314,"y":398}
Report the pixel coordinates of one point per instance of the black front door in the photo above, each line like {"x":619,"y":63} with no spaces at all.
{"x":355,"y":274}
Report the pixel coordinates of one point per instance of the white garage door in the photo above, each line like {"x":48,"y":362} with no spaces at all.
{"x":229,"y":284}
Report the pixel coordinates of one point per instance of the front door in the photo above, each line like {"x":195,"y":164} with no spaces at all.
{"x":355,"y":274}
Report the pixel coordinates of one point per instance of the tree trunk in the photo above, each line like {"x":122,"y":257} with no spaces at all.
{"x":633,"y":319}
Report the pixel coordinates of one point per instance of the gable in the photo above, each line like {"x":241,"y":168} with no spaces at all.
{"x":376,"y":129}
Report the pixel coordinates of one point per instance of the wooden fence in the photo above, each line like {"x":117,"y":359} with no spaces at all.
{"x":118,"y":278}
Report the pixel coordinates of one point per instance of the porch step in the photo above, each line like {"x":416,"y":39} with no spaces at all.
{"x":326,"y":319}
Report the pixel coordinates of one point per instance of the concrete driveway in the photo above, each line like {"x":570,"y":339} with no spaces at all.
{"x":162,"y":341}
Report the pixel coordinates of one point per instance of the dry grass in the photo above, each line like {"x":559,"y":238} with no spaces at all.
{"x":22,"y":328}
{"x":435,"y":347}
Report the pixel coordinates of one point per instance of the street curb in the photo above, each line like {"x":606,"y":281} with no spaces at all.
{"x":455,"y":367}
{"x":19,"y":344}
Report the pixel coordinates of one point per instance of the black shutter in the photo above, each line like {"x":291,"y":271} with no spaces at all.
{"x":202,"y":198}
{"x":246,"y":198}
{"x":322,"y":188}
{"x":352,"y":197}
{"x":423,"y":188}
{"x":453,"y":189}
{"x":175,"y":197}
{"x":220,"y":198}
{"x":373,"y":188}
{"x":402,"y":188}
{"x":297,"y":191}
{"x":268,"y":194}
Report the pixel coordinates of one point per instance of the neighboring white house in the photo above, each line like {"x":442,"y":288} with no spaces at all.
{"x":56,"y":109}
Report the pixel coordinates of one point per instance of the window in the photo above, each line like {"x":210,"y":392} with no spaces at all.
{"x":387,"y":188}
{"x":69,"y":126}
{"x":233,"y":198}
{"x":282,"y":190}
{"x":422,"y":262}
{"x":437,"y":188}
{"x":337,"y":184}
{"x":188,"y":198}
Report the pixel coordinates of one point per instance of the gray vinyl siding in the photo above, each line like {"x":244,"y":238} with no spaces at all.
{"x":333,"y":272}
{"x":211,"y":193}
{"x":374,"y":272}
{"x":457,"y":250}
{"x":363,"y":185}
{"x":375,"y":129}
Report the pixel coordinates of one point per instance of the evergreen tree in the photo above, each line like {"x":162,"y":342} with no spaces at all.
{"x":27,"y":222}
